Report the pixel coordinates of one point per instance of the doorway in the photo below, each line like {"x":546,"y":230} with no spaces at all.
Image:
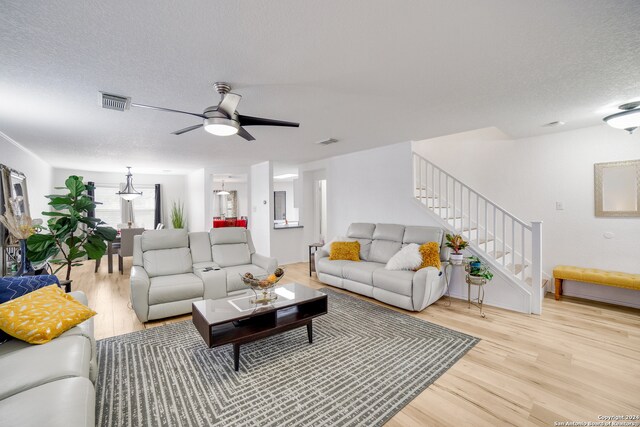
{"x":321,"y":210}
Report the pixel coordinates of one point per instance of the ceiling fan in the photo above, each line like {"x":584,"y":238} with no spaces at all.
{"x":223,"y":119}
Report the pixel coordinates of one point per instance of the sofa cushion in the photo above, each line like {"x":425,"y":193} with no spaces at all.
{"x":164,"y":239}
{"x":361,"y":230}
{"x":227,"y":235}
{"x":166,"y":262}
{"x":228,"y":255}
{"x":234,"y":282}
{"x":393,"y":232}
{"x":42,"y":315}
{"x":334,"y":268}
{"x":175,"y":287}
{"x":63,"y":403}
{"x":200,"y":247}
{"x":361,"y":272}
{"x":61,"y":358}
{"x":422,"y":234}
{"x":398,"y":282}
{"x":383,"y":250}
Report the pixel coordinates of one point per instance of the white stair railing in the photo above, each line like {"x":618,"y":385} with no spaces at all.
{"x":508,"y":243}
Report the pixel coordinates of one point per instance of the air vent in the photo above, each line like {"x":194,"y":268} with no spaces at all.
{"x":327,"y":141}
{"x":115,"y":102}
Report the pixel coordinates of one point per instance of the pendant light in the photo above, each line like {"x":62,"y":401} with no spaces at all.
{"x":129,"y":193}
{"x":223,"y":192}
{"x":628,"y":119}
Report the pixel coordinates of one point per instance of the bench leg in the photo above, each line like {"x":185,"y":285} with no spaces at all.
{"x":558,"y":288}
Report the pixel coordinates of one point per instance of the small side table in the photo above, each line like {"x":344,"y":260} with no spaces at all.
{"x":313,"y":248}
{"x":479,"y":282}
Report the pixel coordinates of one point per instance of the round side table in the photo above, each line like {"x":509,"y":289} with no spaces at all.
{"x":479,"y":282}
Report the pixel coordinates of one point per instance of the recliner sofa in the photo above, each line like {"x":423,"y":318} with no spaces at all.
{"x":173,"y":268}
{"x":378,"y":243}
{"x":50,"y":384}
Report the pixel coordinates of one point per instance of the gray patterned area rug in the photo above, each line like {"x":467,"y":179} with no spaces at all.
{"x":365,"y":364}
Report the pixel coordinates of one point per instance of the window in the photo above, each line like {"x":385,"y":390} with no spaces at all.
{"x":110,"y":209}
{"x":144,"y":207}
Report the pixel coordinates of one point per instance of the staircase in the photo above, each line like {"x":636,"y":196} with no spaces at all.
{"x":512,"y":247}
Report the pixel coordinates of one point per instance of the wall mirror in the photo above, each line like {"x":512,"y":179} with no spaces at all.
{"x":617,"y":189}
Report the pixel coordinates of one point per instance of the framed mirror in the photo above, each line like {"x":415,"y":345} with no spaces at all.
{"x":617,"y":189}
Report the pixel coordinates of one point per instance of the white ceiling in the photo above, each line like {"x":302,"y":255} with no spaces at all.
{"x":369,"y":73}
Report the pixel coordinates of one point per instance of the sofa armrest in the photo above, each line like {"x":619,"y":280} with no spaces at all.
{"x":266,"y":263}
{"x":140,"y":292}
{"x":428,"y":287}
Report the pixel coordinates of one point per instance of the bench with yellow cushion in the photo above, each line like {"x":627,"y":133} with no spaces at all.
{"x":594,"y":275}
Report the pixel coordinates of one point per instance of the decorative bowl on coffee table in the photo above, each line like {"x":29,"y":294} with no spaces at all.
{"x":262,"y":287}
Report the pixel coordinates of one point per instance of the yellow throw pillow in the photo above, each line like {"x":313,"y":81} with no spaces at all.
{"x":349,"y":251}
{"x":42,"y":315}
{"x":430,"y":255}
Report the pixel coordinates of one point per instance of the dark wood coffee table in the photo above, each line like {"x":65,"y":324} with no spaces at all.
{"x":235,"y":320}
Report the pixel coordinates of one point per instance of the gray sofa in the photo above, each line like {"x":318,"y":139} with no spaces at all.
{"x":173,"y":268}
{"x":378,"y":243}
{"x":50,"y":384}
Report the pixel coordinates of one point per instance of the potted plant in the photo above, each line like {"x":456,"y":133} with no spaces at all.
{"x":70,"y":231}
{"x":478,"y":270}
{"x":177,"y":215}
{"x":457,"y":243}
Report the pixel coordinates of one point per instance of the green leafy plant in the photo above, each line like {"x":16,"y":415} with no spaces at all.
{"x":70,"y":232}
{"x":456,"y":242}
{"x":177,"y":214}
{"x":482,"y":271}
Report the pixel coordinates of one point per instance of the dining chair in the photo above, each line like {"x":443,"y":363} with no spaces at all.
{"x":126,"y":245}
{"x":160,"y":226}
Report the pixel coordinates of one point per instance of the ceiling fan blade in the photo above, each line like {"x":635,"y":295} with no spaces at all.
{"x":229,"y":103}
{"x":259,"y":121}
{"x":185,"y":130}
{"x":169,"y":110}
{"x":246,"y":135}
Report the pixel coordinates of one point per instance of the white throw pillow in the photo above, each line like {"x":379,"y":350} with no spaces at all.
{"x":408,"y":258}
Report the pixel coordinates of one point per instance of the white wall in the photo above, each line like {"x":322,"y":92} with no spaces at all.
{"x":292,"y":212}
{"x":38,"y":172}
{"x":366,"y":186}
{"x":172,"y":187}
{"x":196,"y":205}
{"x":528,"y":176}
{"x":261,"y":218}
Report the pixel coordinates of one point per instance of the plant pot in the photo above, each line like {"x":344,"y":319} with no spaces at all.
{"x":456,"y":259}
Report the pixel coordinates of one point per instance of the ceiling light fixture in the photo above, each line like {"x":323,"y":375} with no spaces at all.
{"x":223,"y":192}
{"x":221,"y":126}
{"x":628,"y":119}
{"x":129,"y":193}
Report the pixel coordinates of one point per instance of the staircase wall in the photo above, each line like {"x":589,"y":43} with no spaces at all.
{"x":375,"y":186}
{"x":529,"y":175}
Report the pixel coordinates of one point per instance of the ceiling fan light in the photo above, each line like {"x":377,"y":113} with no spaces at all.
{"x":628,"y":120}
{"x":221,"y":126}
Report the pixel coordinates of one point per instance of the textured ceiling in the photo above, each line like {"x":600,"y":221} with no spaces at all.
{"x":369,"y":73}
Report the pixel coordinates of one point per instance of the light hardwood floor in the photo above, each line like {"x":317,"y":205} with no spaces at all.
{"x":576,"y":361}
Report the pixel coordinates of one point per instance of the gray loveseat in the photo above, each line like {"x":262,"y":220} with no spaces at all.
{"x":50,"y":384}
{"x":378,"y":243}
{"x":173,"y":268}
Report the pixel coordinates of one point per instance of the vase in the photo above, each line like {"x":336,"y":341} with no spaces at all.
{"x":26,"y":269}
